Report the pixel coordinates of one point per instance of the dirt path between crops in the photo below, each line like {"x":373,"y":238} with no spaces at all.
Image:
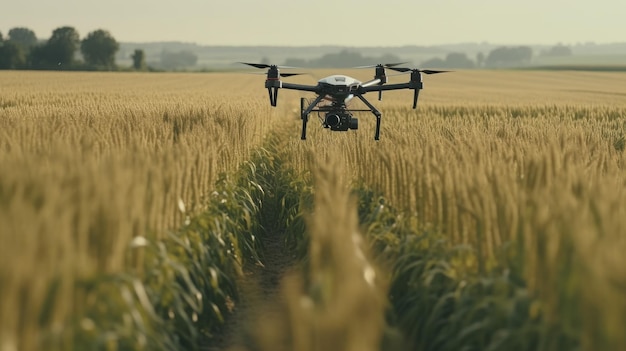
{"x":260,"y":297}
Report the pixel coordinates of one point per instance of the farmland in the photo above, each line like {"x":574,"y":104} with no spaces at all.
{"x":136,"y":209}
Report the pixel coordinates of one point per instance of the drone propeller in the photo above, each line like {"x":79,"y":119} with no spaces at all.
{"x":381,"y":76}
{"x":284,"y":75}
{"x":264,"y":65}
{"x":273,"y":75}
{"x":386,"y":65}
{"x":425,"y":71}
{"x":416,"y":79}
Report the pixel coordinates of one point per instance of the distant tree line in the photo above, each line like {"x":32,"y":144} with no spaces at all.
{"x":501,"y":57}
{"x":559,"y":50}
{"x":343,"y":59}
{"x":22,"y":50}
{"x":63,"y":51}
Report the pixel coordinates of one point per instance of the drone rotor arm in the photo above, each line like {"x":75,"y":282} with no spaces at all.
{"x":415,"y":86}
{"x":400,"y":86}
{"x":301,"y":87}
{"x":371,"y":82}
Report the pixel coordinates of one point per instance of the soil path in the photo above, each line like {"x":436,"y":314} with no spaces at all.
{"x":259,"y":296}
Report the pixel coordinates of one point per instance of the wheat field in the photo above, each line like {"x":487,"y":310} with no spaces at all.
{"x":525,"y":169}
{"x":91,"y":161}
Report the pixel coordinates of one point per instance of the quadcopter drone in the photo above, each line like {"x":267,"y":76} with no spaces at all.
{"x":335,"y":92}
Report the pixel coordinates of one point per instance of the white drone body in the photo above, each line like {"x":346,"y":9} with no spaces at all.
{"x":340,"y":80}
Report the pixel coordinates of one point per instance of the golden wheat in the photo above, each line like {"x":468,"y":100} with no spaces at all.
{"x":498,"y":157}
{"x":88,"y":162}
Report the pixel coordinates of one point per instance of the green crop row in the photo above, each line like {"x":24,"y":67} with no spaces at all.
{"x":439,"y":297}
{"x":181,"y":292}
{"x":186,"y":287}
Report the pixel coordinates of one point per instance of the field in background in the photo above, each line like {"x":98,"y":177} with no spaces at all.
{"x":526,"y":169}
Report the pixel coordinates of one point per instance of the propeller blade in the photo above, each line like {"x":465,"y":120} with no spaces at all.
{"x":257,"y":65}
{"x":389,"y":65}
{"x":425,"y":71}
{"x":264,"y":65}
{"x":386,"y":65}
{"x":429,"y":71}
{"x":285,"y":75}
{"x":400,"y":69}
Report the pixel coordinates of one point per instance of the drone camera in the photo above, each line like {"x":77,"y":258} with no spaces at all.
{"x":354,"y":123}
{"x":340,"y":121}
{"x":332,"y":120}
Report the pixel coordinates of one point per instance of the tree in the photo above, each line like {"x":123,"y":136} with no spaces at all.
{"x":343,"y":59}
{"x":296,"y":62}
{"x":23,"y":37}
{"x":435,"y":62}
{"x":558,"y":51}
{"x":452,"y":60}
{"x":99,"y":48}
{"x":139,"y":59}
{"x":11,"y":56}
{"x":62,"y":46}
{"x":458,"y":60}
{"x":509,"y":56}
{"x":347,"y":58}
{"x":38,"y":57}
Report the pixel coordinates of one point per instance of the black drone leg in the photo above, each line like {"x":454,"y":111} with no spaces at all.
{"x":376,"y":113}
{"x":305,"y":114}
{"x":304,"y":120}
{"x":275,"y":97}
{"x":273,"y":92}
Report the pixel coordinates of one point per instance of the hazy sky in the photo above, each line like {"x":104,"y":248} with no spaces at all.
{"x":336,"y":22}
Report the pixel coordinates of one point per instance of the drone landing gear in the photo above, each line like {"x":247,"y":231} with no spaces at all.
{"x":304,"y":113}
{"x":273,"y":92}
{"x":376,"y":113}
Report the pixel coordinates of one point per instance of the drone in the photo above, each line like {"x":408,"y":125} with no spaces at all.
{"x":335,"y":92}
